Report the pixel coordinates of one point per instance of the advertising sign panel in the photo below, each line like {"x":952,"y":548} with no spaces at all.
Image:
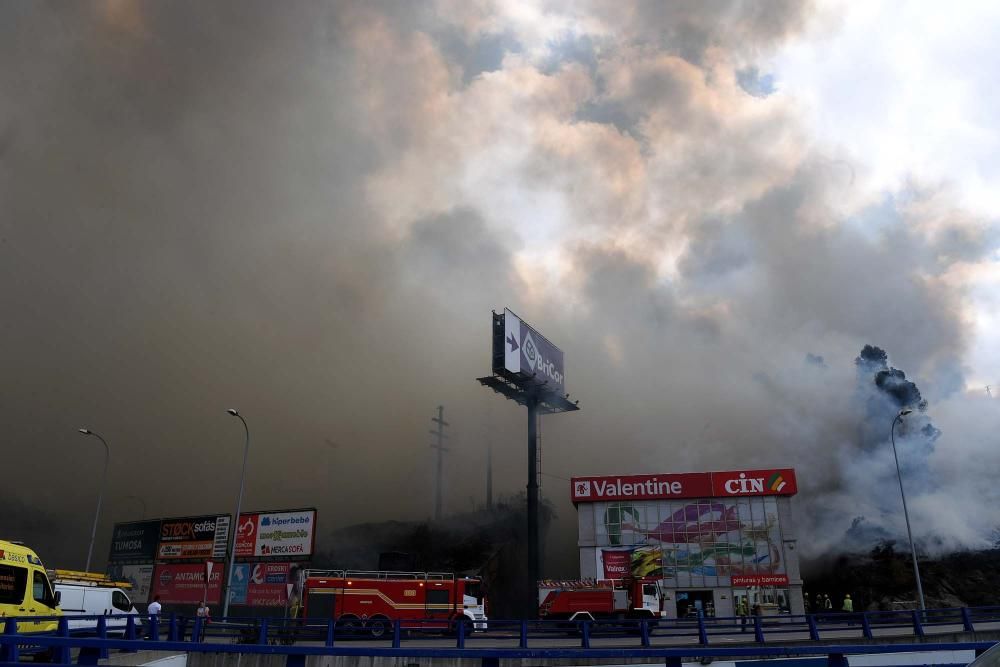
{"x":530,"y":354}
{"x":641,"y":487}
{"x":760,"y":580}
{"x":774,"y":482}
{"x":199,"y":537}
{"x":270,"y":534}
{"x":246,"y":536}
{"x":754,"y":483}
{"x":691,"y":542}
{"x":140,"y":576}
{"x":184,"y":583}
{"x":135,"y":540}
{"x":261,"y":584}
{"x":618,"y":563}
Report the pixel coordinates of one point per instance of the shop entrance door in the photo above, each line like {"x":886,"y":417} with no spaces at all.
{"x":691,"y":604}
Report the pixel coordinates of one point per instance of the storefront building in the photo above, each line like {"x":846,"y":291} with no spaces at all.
{"x":717,"y":543}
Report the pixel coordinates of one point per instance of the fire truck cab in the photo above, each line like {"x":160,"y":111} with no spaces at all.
{"x":369,"y":602}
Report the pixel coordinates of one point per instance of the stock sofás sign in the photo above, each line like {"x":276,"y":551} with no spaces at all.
{"x":200,"y":537}
{"x":773,"y":482}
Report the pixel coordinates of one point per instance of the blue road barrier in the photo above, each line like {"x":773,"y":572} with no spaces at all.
{"x":670,"y":639}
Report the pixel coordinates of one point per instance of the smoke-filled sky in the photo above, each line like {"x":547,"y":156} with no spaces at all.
{"x":307,"y":210}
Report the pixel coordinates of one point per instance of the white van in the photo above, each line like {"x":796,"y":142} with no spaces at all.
{"x":91,"y":598}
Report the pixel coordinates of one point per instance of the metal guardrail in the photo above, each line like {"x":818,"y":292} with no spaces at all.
{"x":670,"y":639}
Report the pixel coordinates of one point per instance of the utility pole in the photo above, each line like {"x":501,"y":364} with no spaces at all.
{"x":441,"y":449}
{"x":489,"y":474}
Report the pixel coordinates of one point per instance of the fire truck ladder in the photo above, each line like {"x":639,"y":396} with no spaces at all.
{"x":85,"y":579}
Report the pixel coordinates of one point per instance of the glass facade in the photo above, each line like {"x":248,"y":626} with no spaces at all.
{"x":689,"y":543}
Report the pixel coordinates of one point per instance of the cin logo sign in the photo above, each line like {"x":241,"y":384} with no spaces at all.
{"x":744,"y":484}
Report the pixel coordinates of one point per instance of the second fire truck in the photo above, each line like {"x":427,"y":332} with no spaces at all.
{"x":632,"y":598}
{"x":369,"y":602}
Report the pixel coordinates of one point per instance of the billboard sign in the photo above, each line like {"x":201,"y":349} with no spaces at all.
{"x":200,"y":537}
{"x":246,"y":536}
{"x":184,"y":583}
{"x":771,"y":482}
{"x":261,"y":584}
{"x":140,"y":576}
{"x":134,"y":541}
{"x":289,"y":534}
{"x":529,"y":354}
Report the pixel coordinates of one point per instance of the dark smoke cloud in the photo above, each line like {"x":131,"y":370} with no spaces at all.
{"x":308,"y":212}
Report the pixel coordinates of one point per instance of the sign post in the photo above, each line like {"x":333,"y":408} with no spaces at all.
{"x":208,"y":577}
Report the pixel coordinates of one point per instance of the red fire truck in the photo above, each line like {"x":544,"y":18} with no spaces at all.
{"x":368,"y":602}
{"x":605,"y":598}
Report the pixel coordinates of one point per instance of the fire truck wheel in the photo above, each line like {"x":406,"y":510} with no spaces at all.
{"x":378,"y":626}
{"x":349,"y":626}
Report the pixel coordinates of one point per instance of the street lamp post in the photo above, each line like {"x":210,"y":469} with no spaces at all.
{"x":235,"y":527}
{"x":100,"y":496}
{"x":906,"y":515}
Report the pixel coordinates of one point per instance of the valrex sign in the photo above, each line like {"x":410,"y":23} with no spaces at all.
{"x":769,"y":482}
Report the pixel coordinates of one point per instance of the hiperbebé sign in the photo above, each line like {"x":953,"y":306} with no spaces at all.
{"x":776,"y":482}
{"x":529,"y":354}
{"x":288,"y":534}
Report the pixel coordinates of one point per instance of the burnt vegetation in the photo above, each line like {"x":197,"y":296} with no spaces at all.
{"x":883,"y":579}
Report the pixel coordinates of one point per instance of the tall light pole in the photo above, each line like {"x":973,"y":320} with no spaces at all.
{"x":100,"y":496}
{"x":235,"y":527}
{"x":909,"y":533}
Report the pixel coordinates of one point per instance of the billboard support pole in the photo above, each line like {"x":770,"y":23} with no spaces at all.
{"x":527,"y":369}
{"x":531,"y":601}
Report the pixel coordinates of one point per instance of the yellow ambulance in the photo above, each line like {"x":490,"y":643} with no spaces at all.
{"x":25,"y":591}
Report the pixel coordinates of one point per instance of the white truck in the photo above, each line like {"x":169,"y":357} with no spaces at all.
{"x":85,"y":594}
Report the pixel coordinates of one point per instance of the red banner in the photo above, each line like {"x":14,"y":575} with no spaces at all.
{"x":246,"y":535}
{"x":776,"y":482}
{"x":617,"y":564}
{"x":185,"y":583}
{"x":760,"y":580}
